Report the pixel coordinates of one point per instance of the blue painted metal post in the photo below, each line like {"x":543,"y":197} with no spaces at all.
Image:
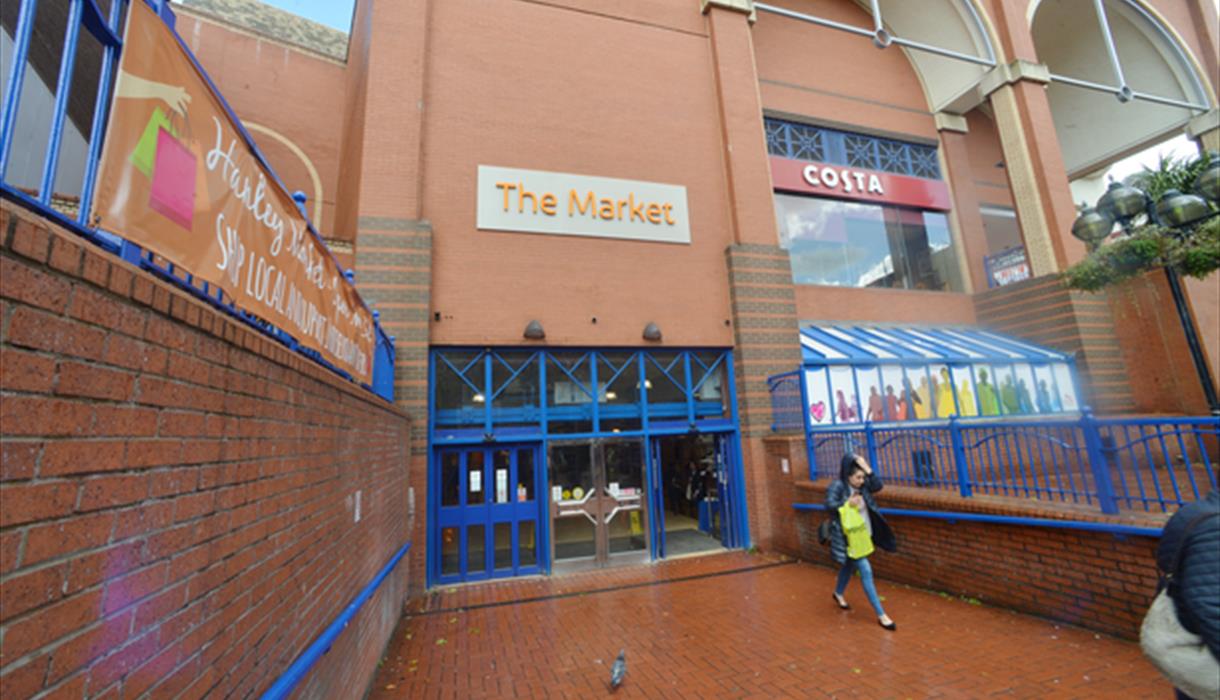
{"x":1098,"y":462}
{"x":805,"y":423}
{"x":16,"y":76}
{"x":959,"y":457}
{"x":870,"y":443}
{"x":67,"y":66}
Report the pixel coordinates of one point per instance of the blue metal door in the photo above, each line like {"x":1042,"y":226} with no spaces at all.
{"x":656,"y":501}
{"x":725,"y":488}
{"x":487,"y":513}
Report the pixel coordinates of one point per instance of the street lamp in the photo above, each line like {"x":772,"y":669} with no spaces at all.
{"x":1181,"y":213}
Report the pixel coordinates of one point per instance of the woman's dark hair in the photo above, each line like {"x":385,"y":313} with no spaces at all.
{"x":849,"y":464}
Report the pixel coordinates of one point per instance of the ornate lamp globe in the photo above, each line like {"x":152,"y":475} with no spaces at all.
{"x":1091,"y":226}
{"x":1181,"y":210}
{"x":1122,"y":202}
{"x":1208,"y":184}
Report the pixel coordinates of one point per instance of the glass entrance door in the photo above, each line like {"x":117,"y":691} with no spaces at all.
{"x":488,"y":512}
{"x":598,"y":513}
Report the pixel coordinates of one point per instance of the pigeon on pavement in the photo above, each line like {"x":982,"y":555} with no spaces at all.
{"x":618,"y":670}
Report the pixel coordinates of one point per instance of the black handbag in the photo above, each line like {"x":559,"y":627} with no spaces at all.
{"x":824,"y":532}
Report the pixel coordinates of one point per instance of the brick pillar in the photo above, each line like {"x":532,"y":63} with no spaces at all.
{"x":1205,"y":130}
{"x":966,"y":213}
{"x":393,"y":240}
{"x":762,"y":297}
{"x":1036,"y":173}
{"x":765,"y":338}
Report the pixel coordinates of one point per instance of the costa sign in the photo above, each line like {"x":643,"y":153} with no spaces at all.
{"x":179,"y":178}
{"x":805,"y":177}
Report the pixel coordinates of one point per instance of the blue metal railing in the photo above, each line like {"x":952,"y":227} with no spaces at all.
{"x":786,"y":402}
{"x":285,"y":684}
{"x":1148,"y":464}
{"x":952,"y":516}
{"x":106,"y":30}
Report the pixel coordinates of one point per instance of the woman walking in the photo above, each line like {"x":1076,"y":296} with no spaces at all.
{"x":855,"y":528}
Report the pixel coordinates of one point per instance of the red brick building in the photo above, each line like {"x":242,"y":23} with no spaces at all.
{"x":967,"y":148}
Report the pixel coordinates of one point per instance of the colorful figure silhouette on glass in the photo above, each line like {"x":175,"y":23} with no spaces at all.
{"x":1008,"y":396}
{"x":1044,"y":397}
{"x":845,"y":411}
{"x":892,"y":409}
{"x":944,"y":396}
{"x":876,"y":408}
{"x":988,"y":401}
{"x":909,"y":399}
{"x":923,"y":400}
{"x":965,"y":400}
{"x":1023,"y":399}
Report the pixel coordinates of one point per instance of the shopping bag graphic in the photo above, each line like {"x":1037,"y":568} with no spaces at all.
{"x":146,"y":148}
{"x":173,"y":181}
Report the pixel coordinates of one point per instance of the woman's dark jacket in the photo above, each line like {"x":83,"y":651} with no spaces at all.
{"x":1197,"y":593}
{"x":836,"y":496}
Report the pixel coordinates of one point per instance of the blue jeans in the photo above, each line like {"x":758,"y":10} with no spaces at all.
{"x":866,"y":578}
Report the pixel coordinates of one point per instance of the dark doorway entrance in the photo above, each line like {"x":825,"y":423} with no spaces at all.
{"x":693,"y":508}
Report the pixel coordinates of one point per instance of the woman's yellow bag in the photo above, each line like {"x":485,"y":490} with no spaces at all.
{"x":859,"y":543}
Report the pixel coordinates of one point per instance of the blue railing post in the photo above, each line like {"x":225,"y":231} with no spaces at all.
{"x":959,"y":457}
{"x":870,"y":444}
{"x":1098,"y":462}
{"x":806,"y":425}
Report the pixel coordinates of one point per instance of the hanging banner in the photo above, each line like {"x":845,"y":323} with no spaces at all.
{"x":178,"y":178}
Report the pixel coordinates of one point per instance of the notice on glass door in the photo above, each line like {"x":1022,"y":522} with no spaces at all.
{"x":476,"y":481}
{"x":501,"y":486}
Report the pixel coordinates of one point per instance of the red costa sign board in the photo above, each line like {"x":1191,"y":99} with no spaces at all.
{"x":840,"y":182}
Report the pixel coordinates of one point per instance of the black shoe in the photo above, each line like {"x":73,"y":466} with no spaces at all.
{"x":891,"y":627}
{"x":840,"y":602}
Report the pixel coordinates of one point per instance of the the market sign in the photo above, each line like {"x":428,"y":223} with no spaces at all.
{"x":179,"y":178}
{"x":537,"y":201}
{"x":822,"y":179}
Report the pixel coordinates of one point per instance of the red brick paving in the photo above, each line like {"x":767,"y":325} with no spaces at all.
{"x":750,"y":627}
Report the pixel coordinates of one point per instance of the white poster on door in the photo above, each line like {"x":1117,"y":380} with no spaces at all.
{"x":501,"y":486}
{"x":476,"y":481}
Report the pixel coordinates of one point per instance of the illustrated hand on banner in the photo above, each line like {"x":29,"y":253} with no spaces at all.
{"x":190,"y":187}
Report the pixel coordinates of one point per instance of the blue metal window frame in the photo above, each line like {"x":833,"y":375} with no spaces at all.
{"x":85,"y":13}
{"x":656,"y":420}
{"x":788,"y":139}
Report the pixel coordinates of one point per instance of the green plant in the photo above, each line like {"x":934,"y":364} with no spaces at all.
{"x":1170,"y":174}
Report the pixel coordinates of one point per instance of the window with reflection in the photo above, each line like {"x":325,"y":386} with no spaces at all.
{"x":460,"y":392}
{"x":853,"y":244}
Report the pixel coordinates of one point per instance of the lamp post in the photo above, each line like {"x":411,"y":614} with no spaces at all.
{"x":1182,"y":213}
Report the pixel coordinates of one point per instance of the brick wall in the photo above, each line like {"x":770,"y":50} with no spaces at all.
{"x":177,"y":491}
{"x":1095,"y":580}
{"x":1162,"y":376}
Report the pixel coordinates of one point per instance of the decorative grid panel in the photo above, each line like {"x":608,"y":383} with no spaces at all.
{"x":805,"y":142}
{"x":924,"y":162}
{"x":894,"y":156}
{"x":777,"y":136}
{"x":861,"y":151}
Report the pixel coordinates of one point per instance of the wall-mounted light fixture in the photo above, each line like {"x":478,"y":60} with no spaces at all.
{"x":534,"y":331}
{"x":652,"y":332}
